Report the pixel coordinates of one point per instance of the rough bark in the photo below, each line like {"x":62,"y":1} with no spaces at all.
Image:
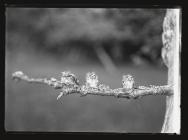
{"x":171,"y":54}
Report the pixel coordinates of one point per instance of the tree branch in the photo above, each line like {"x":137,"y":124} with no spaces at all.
{"x":101,"y":89}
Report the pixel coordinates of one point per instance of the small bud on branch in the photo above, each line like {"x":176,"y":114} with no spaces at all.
{"x":69,"y":84}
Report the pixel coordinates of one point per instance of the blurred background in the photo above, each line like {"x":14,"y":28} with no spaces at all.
{"x":42,"y":42}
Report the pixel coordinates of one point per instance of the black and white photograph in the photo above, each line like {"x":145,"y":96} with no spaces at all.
{"x":93,"y":70}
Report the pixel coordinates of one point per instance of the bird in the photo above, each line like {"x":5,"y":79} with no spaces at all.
{"x":128,"y":82}
{"x":69,"y":78}
{"x":92,"y":80}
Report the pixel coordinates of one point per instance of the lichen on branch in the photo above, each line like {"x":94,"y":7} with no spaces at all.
{"x":69,"y":84}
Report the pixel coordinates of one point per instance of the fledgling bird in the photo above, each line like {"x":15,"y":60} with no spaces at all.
{"x":69,"y":78}
{"x":128,"y":82}
{"x":92,"y":80}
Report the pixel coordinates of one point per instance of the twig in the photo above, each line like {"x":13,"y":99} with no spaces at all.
{"x":98,"y":89}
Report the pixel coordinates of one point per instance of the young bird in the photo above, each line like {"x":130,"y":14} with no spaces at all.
{"x":69,"y":78}
{"x":128,"y":82}
{"x":92,"y":80}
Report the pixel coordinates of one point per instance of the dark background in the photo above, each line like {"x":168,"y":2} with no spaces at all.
{"x":42,"y":42}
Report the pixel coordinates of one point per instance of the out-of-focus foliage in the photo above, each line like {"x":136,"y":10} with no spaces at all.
{"x":124,"y":33}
